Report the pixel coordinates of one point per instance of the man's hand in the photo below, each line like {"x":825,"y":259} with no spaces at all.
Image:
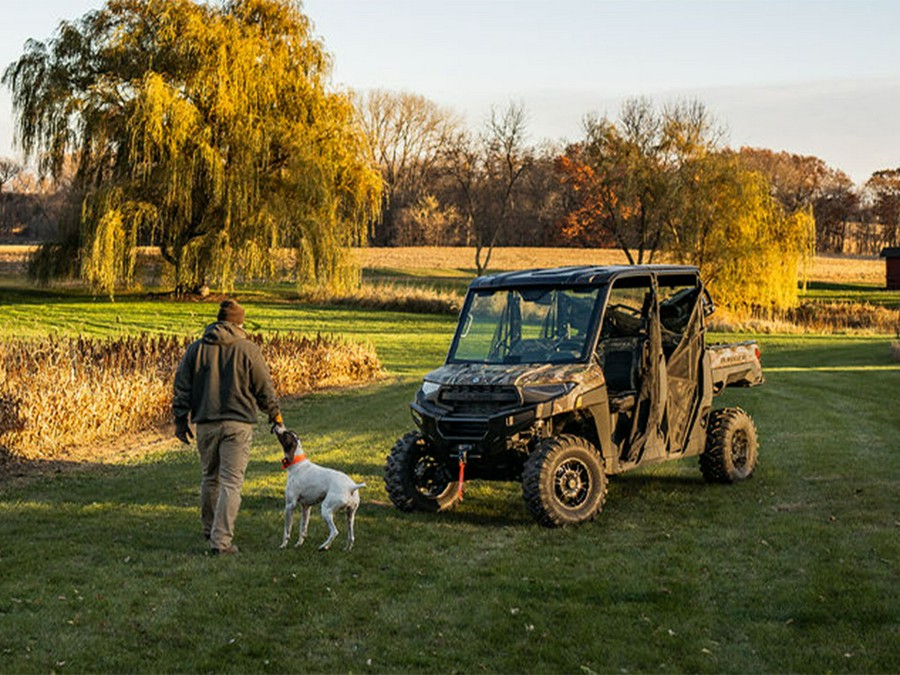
{"x":278,"y":427}
{"x":183,"y":430}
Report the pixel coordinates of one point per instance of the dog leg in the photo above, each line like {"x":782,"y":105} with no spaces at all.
{"x":351,"y":516}
{"x":328,"y":517}
{"x":304,"y":524}
{"x":288,"y":522}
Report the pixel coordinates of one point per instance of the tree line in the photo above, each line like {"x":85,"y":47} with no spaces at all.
{"x":438,"y":175}
{"x":210,"y":130}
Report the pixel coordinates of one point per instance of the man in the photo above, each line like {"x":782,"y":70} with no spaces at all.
{"x":222,"y":381}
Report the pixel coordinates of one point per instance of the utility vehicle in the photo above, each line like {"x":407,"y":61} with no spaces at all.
{"x":561,"y":377}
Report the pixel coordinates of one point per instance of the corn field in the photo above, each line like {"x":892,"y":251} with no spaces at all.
{"x":65,"y":392}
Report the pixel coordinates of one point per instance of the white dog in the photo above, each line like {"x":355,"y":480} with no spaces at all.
{"x":309,"y":484}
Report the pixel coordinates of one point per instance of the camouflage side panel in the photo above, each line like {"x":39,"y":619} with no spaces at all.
{"x":735,"y":365}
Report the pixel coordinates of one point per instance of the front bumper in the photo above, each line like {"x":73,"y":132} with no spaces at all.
{"x":487,"y":435}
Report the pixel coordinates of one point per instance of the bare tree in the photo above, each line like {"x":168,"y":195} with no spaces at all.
{"x":9,"y":170}
{"x":407,"y":133}
{"x":506,"y":161}
{"x":461,"y":163}
{"x":539,"y":204}
{"x":835,"y":207}
{"x":488,"y":174}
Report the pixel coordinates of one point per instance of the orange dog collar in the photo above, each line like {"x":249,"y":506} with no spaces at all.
{"x":297,"y":459}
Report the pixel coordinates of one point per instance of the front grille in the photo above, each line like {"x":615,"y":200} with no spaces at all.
{"x":479,"y":399}
{"x":463,"y":429}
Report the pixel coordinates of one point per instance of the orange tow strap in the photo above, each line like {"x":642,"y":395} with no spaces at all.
{"x":462,"y":475}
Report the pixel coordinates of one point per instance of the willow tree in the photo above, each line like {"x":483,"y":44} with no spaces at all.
{"x":726,"y":220}
{"x":207,"y":129}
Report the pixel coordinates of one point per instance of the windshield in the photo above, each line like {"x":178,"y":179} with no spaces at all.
{"x":526,"y":325}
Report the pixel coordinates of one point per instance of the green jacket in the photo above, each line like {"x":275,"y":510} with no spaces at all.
{"x":223,"y":377}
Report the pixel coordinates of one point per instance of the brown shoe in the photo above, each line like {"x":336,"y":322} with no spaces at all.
{"x":231,"y":549}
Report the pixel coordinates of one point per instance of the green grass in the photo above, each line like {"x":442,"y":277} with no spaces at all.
{"x":793,"y":571}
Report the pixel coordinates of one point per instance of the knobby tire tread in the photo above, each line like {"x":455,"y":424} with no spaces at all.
{"x":715,"y":462}
{"x":533,"y":486}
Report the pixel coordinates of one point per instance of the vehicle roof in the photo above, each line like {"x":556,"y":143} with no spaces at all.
{"x":583,"y":275}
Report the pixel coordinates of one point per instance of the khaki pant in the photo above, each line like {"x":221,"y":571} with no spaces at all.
{"x":224,"y":452}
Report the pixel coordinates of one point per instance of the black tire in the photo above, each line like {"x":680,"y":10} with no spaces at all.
{"x":563,"y":482}
{"x":732,"y":446}
{"x":414,"y":478}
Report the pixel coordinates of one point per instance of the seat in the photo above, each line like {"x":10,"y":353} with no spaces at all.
{"x":621,"y":362}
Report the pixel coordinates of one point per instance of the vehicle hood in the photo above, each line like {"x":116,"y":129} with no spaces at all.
{"x":522,"y":374}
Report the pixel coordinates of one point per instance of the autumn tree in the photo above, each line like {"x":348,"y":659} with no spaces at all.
{"x":207,"y":129}
{"x":660,"y":182}
{"x":883,"y":189}
{"x":749,"y":248}
{"x":805,"y":181}
{"x":622,"y":180}
{"x":836,"y":207}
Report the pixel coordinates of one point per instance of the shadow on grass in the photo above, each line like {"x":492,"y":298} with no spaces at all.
{"x":12,"y":293}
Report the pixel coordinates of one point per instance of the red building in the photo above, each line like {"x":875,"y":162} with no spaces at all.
{"x":892,"y":263}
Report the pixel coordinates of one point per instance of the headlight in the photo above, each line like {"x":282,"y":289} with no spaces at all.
{"x":429,"y":389}
{"x":544,"y":392}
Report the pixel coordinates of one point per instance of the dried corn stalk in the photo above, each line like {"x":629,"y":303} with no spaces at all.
{"x":63,"y":392}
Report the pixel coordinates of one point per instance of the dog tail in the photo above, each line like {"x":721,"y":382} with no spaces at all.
{"x":357,"y":486}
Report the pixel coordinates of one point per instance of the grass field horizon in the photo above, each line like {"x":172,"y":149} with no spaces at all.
{"x":413,"y":260}
{"x":795,"y":570}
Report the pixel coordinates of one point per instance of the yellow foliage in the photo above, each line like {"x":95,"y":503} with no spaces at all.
{"x":214,"y":122}
{"x":750,"y":252}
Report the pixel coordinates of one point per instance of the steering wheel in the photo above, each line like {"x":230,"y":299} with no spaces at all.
{"x":626,"y":309}
{"x":615,"y":314}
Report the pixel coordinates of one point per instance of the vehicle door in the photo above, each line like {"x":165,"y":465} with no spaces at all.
{"x":681,"y":333}
{"x":629,"y":350}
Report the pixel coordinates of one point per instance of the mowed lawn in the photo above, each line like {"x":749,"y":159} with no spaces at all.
{"x":796,"y":570}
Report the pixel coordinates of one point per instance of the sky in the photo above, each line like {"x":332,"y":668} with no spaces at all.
{"x":817,"y":77}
